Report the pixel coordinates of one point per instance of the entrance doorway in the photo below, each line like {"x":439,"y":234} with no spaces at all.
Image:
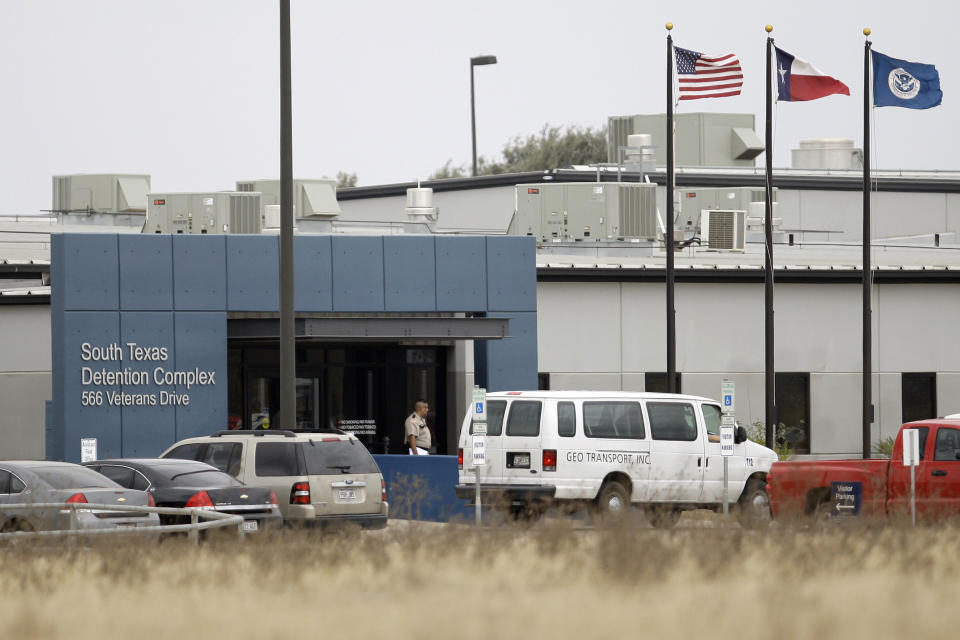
{"x":367,"y":390}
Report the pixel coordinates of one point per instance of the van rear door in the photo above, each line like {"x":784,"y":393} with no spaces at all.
{"x":521,"y":457}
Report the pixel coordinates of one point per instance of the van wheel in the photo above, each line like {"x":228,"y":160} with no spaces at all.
{"x":753,"y":511}
{"x":526,"y":514}
{"x":662,"y":516}
{"x":613,"y":502}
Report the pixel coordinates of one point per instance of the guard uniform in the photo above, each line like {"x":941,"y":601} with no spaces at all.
{"x":416,"y":426}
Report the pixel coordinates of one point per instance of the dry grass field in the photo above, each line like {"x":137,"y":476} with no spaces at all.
{"x":552,"y":581}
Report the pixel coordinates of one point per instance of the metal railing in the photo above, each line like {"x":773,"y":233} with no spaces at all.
{"x":212,"y":519}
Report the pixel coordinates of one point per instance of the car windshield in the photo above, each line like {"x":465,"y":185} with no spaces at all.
{"x":341,"y":456}
{"x":73,"y":478}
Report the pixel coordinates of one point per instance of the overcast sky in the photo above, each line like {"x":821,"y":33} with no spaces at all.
{"x":188,"y":90}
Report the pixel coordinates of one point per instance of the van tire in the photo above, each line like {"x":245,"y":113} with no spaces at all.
{"x":613,"y":502}
{"x":753,"y":510}
{"x":662,"y":516}
{"x":16,"y":524}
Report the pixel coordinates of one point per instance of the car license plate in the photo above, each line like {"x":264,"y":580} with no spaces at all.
{"x":346,"y":495}
{"x":249,"y":526}
{"x":520,"y":461}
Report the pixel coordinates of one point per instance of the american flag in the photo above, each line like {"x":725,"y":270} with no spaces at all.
{"x":702,"y":76}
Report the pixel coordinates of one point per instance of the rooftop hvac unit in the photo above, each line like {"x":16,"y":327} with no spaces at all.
{"x":723,"y":229}
{"x":202,"y":213}
{"x":98,"y":193}
{"x":585,"y":211}
{"x":316,"y":199}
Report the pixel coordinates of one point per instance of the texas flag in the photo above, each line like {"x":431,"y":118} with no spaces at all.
{"x":799,"y":80}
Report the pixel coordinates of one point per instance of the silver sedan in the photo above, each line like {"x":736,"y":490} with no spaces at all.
{"x":25,"y":482}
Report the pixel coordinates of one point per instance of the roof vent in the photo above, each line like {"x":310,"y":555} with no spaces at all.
{"x":420,"y":204}
{"x":827,"y":153}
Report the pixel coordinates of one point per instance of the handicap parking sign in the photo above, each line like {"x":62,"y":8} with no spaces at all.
{"x":479,"y":409}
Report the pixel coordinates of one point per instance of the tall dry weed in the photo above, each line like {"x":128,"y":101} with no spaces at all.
{"x":554,"y":580}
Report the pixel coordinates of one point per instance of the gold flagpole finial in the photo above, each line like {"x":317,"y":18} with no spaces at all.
{"x":768,"y":28}
{"x":669,"y":26}
{"x":866,"y":31}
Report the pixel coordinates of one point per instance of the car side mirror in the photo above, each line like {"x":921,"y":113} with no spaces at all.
{"x":958,"y":455}
{"x":740,"y":435}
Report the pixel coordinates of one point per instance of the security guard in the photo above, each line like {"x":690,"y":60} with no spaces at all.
{"x":416,"y":430}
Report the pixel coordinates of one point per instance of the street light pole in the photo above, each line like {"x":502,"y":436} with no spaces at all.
{"x":476,"y":61}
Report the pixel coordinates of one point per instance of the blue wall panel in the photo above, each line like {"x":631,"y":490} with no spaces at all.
{"x":146,"y":272}
{"x":357,"y":273}
{"x":91,"y":261}
{"x":199,"y":273}
{"x":201,"y":343}
{"x":461,"y":273}
{"x":511,"y":363}
{"x":409,"y":273}
{"x":312,"y":273}
{"x":253,"y":273}
{"x":422,"y":487}
{"x":98,"y":419}
{"x":511,"y":274}
{"x":147,"y":429}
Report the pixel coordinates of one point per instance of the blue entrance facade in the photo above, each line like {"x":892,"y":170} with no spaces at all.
{"x":139,"y":322}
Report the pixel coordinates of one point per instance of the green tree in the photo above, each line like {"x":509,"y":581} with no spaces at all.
{"x":551,"y":148}
{"x":345,"y":179}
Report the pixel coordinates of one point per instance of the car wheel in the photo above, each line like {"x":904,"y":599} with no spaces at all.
{"x":753,"y":511}
{"x":613,"y":502}
{"x":662,"y":516}
{"x":14,"y":525}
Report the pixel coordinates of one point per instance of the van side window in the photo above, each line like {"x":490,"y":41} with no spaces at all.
{"x":566,"y":419}
{"x":495,"y":411}
{"x":672,"y":421}
{"x":524,"y":419}
{"x":613,"y":420}
{"x":711,"y":417}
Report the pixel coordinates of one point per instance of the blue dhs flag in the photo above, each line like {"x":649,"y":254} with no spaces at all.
{"x":898,"y":83}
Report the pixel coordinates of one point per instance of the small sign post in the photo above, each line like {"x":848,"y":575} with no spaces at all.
{"x":479,"y":454}
{"x":88,"y":449}
{"x":728,"y":429}
{"x":911,"y":458}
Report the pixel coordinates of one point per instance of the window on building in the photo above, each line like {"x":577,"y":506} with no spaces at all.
{"x":656,"y":382}
{"x":918,"y":392}
{"x":543,"y":382}
{"x":792,"y":400}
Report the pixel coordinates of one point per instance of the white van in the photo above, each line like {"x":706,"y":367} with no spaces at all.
{"x":607,"y":450}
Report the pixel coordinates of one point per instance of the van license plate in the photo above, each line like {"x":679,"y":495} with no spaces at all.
{"x":347,"y":495}
{"x":518,"y":460}
{"x":249,"y":526}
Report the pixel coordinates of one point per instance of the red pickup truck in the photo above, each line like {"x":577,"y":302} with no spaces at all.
{"x":877,"y":486}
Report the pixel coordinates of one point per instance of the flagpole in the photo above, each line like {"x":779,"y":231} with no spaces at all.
{"x":668,"y":227}
{"x":867,"y":374}
{"x":769,"y":374}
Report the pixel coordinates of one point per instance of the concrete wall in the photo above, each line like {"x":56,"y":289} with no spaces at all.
{"x":606,"y":335}
{"x":24,"y":379}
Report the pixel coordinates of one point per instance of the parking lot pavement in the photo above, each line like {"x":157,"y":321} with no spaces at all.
{"x":580,"y":520}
